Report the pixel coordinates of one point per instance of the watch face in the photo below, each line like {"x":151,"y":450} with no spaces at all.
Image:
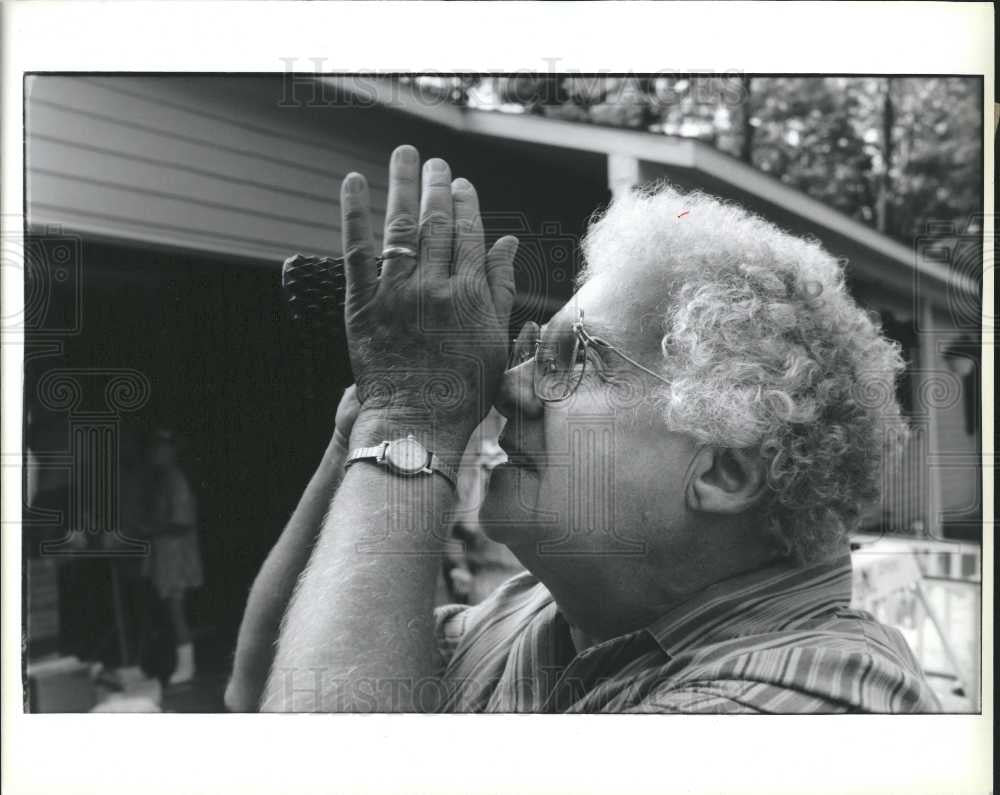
{"x":406,"y":456}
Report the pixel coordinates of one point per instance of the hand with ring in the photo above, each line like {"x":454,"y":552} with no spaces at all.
{"x":427,"y":333}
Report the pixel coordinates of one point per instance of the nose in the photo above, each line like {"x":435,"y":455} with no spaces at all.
{"x":516,"y":398}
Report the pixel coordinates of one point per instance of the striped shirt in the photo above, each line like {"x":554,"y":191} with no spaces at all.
{"x":779,"y":640}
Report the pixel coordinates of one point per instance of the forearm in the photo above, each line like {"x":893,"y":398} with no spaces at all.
{"x":359,"y":633}
{"x":273,"y":587}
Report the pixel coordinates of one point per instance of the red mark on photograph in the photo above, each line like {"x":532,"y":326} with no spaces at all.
{"x":683,"y":213}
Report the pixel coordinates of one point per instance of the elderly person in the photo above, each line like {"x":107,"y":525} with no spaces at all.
{"x":690,"y":440}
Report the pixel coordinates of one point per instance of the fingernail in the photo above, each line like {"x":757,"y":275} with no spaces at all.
{"x":354,"y":183}
{"x":436,"y":166}
{"x":407,"y":154}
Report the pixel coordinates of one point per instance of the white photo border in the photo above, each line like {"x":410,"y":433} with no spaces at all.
{"x":509,"y":753}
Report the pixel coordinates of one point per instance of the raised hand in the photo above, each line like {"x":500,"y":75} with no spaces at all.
{"x":427,"y":336}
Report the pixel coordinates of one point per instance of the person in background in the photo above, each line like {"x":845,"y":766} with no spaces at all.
{"x":174,"y":563}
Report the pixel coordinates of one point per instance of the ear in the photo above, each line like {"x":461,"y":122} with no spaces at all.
{"x":722,"y":480}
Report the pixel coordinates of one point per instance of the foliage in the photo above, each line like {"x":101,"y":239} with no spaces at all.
{"x":895,"y":153}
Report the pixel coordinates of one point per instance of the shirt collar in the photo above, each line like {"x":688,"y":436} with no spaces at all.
{"x":770,"y":599}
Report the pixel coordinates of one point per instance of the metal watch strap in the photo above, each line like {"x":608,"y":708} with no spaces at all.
{"x":449,"y":472}
{"x":376,"y":454}
{"x":366,"y":454}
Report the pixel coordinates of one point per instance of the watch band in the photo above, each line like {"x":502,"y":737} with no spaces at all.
{"x":376,"y":454}
{"x":448,"y":472}
{"x":366,"y":454}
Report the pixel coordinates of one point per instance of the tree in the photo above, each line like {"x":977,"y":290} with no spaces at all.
{"x":889,"y":152}
{"x":937,"y":173}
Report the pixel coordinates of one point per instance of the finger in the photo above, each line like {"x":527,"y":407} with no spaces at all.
{"x":436,"y":214}
{"x":348,"y":407}
{"x":500,"y":275}
{"x":470,"y":247}
{"x":401,"y":209}
{"x":346,"y":414}
{"x":524,"y":346}
{"x":357,"y":240}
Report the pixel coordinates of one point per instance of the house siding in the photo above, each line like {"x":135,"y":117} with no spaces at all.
{"x":192,"y":163}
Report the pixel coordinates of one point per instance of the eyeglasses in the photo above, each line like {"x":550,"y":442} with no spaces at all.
{"x":561,"y":361}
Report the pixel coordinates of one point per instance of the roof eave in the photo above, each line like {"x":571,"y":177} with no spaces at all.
{"x":669,"y":151}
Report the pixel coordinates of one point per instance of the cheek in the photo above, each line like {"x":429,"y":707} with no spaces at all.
{"x":509,"y":507}
{"x":652,"y":464}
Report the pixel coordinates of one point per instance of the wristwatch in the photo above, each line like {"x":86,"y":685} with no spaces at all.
{"x":406,"y":457}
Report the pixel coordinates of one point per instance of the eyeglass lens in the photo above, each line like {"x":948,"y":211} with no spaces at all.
{"x":559,"y":364}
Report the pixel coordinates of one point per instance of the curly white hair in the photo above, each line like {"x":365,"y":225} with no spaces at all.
{"x":765,"y":350}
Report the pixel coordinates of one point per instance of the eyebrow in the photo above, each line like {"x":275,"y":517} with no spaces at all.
{"x":604,"y":333}
{"x":594,"y":329}
{"x":599,"y":330}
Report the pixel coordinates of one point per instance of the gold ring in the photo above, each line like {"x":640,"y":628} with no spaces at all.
{"x":397,"y":251}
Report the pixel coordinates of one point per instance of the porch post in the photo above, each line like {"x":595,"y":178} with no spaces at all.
{"x":925,"y":409}
{"x":624,"y":173}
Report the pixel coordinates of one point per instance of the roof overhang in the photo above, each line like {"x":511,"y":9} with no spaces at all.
{"x":904,"y":265}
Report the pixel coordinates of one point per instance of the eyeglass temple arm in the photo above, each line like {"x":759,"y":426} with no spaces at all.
{"x":589,"y":339}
